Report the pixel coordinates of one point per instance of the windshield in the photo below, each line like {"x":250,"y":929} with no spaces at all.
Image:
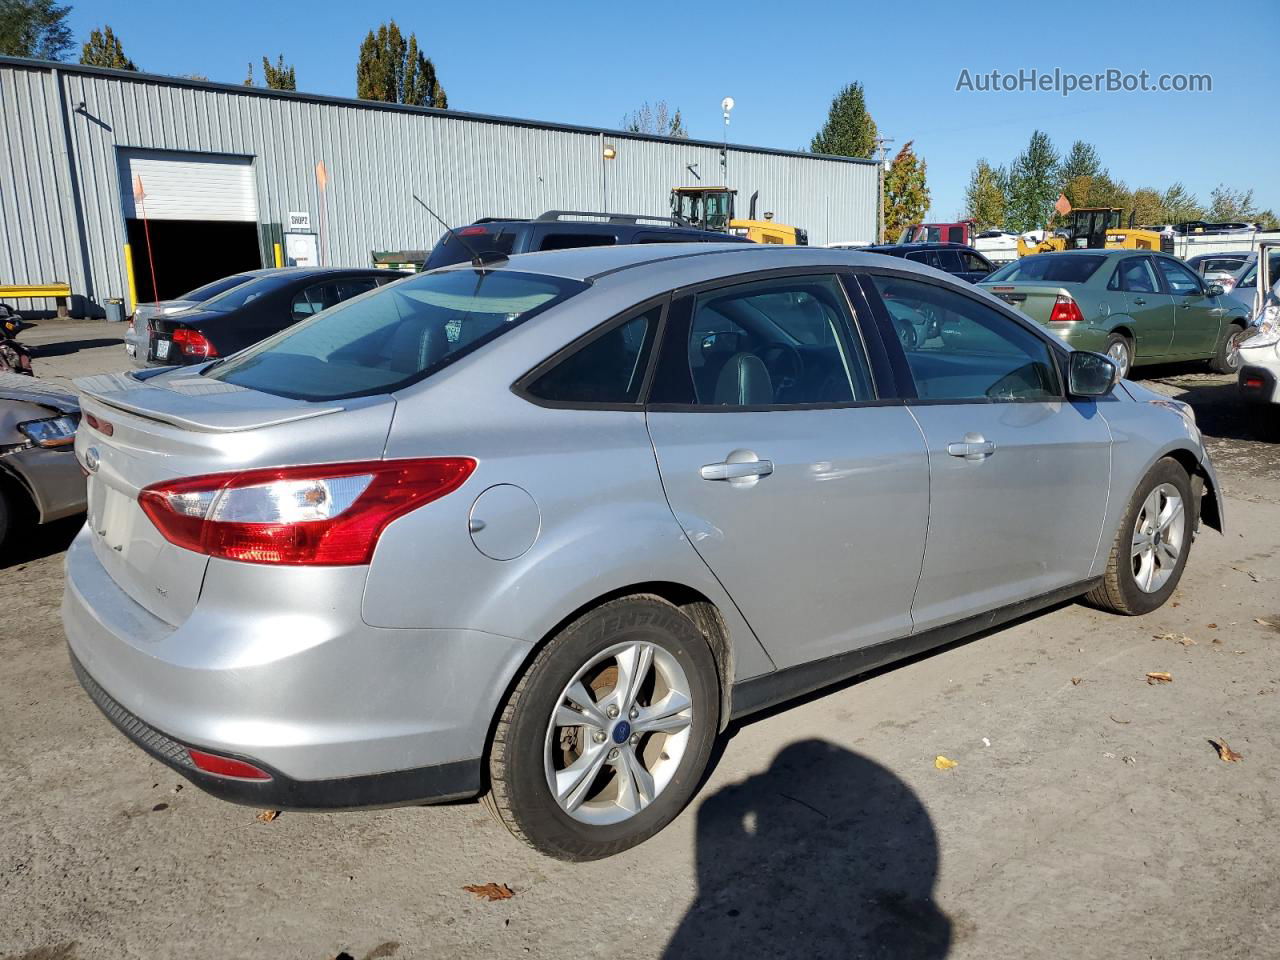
{"x":243,"y":293}
{"x":200,"y":294}
{"x":395,"y":335}
{"x":1054,"y":267}
{"x":474,"y":240}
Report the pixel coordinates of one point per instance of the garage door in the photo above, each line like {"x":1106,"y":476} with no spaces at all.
{"x":188,"y":186}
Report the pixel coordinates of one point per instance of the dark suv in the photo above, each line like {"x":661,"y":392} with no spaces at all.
{"x":561,"y":230}
{"x":953,"y":258}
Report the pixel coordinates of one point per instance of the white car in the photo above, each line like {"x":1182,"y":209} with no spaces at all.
{"x":1260,"y":355}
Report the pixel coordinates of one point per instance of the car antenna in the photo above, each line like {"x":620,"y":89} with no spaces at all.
{"x":478,"y":259}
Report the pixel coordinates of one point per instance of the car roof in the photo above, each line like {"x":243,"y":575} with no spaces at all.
{"x":919,"y":245}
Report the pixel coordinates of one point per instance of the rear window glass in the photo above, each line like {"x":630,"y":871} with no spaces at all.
{"x":243,"y":293}
{"x":1055,"y":267}
{"x":451,"y":249}
{"x":396,"y":335}
{"x":200,"y":294}
{"x":609,"y":369}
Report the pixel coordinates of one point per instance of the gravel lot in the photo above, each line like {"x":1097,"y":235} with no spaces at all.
{"x":1088,"y":815}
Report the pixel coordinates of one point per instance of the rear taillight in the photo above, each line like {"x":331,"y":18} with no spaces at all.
{"x":193,"y":343}
{"x":1065,"y":310}
{"x":329,"y":514}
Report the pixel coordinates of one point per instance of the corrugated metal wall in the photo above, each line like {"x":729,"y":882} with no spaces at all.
{"x":464,"y":166}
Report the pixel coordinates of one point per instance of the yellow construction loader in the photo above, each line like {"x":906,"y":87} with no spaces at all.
{"x":712,"y":208}
{"x":1099,"y":228}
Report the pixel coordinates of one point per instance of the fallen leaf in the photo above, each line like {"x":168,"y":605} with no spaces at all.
{"x":1225,"y":753}
{"x":1076,"y":681}
{"x":1159,"y":676}
{"x":1181,"y":638}
{"x":944,"y":763}
{"x":490,"y":891}
{"x":1217,"y":640}
{"x":1266,"y":623}
{"x":1128,"y":759}
{"x":1211,"y":626}
{"x":266,"y":816}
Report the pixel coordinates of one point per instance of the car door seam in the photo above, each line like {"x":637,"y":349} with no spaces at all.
{"x":928,"y":521}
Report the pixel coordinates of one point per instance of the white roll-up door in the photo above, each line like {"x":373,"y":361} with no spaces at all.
{"x":188,"y":186}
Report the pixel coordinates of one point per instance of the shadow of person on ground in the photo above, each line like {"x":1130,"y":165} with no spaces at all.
{"x":825,"y":854}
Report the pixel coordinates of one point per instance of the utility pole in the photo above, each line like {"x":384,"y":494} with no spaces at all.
{"x":882,"y":144}
{"x":726,"y":106}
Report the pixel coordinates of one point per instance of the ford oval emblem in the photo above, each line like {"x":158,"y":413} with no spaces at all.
{"x":92,"y":459}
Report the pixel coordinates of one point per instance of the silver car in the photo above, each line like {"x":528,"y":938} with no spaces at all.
{"x":539,"y":528}
{"x":40,"y":479}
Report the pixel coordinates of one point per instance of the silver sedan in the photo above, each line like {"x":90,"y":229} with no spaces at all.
{"x":537,"y":529}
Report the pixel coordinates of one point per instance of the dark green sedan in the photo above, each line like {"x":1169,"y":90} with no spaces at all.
{"x":1135,"y":306}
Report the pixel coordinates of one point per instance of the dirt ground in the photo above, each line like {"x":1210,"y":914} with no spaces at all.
{"x":1088,"y":814}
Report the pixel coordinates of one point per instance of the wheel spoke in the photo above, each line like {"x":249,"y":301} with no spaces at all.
{"x":581,"y":698}
{"x":1141,"y":543}
{"x":1147,"y":574}
{"x":574,"y":782}
{"x":634,"y":664}
{"x":1167,"y":554}
{"x":1171,"y":513}
{"x":1151,"y":508}
{"x":635,"y":789}
{"x":672,"y":713}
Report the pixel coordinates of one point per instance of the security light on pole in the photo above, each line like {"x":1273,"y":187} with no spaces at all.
{"x":726,"y":105}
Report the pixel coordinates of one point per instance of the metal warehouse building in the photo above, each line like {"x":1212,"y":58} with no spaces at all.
{"x":104,"y":174}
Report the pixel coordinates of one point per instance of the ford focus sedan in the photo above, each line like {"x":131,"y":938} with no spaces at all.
{"x":537,"y":529}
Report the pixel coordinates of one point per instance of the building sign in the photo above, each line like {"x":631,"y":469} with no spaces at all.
{"x":299,"y":220}
{"x":301,"y":250}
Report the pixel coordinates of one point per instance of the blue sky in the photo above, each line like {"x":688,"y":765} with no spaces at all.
{"x":589,"y":63}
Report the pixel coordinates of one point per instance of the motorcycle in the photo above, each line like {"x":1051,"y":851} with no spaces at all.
{"x":15,"y":357}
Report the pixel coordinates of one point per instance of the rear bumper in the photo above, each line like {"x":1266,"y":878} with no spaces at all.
{"x":447,"y":781}
{"x":1259,"y":384}
{"x":275,"y":666}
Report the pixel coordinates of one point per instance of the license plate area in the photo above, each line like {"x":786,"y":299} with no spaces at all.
{"x":162,"y":348}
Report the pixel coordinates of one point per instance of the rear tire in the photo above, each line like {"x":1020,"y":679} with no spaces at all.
{"x":6,"y":519}
{"x":639,"y":758}
{"x":1222,"y":362}
{"x":1119,"y":349}
{"x":1151,"y":546}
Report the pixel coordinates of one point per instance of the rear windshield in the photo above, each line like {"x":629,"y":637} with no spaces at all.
{"x":451,"y":249}
{"x":393,"y":336}
{"x":1055,"y":267}
{"x":242,"y":293}
{"x":201,"y":294}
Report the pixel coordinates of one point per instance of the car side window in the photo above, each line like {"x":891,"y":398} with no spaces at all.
{"x":958,"y":348}
{"x":1135,"y":276}
{"x":919,"y":256}
{"x":949,"y":260}
{"x":770,"y":343}
{"x":1181,"y":280}
{"x":313,"y":299}
{"x":609,"y":368}
{"x":973,"y":263}
{"x":955,"y":234}
{"x":569,"y":241}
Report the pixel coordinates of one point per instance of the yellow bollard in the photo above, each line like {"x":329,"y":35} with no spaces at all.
{"x":279,"y":256}
{"x":133,"y":284}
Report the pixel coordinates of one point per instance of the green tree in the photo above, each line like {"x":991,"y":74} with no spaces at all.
{"x":1180,"y":205}
{"x":394,"y":71}
{"x":1033,"y":184}
{"x":1267,"y":220}
{"x":1147,"y":207}
{"x":1228,"y":204}
{"x":104,"y":50}
{"x":1081,"y":161}
{"x":34,"y":28}
{"x":278,"y":77}
{"x":985,"y":198}
{"x":906,"y":193}
{"x":849,"y":130}
{"x":658,"y":120}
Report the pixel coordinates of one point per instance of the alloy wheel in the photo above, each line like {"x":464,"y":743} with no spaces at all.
{"x":618,"y":733}
{"x":1158,"y":536}
{"x":1118,"y":352}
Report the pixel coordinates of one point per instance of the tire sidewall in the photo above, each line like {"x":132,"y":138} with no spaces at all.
{"x":1222,"y":359}
{"x":1128,"y":349}
{"x":1139,"y":601}
{"x":532,"y":805}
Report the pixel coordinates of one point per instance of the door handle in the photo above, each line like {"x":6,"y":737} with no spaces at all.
{"x":727,"y":470}
{"x":973,"y":447}
{"x":1139,"y":301}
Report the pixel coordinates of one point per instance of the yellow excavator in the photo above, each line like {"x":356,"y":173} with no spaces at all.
{"x":1099,"y":228}
{"x":712,"y":208}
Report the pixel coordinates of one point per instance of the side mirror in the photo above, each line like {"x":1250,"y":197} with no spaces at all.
{"x":1215,"y":290}
{"x":1091,"y":374}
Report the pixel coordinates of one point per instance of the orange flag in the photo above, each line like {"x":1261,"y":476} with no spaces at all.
{"x":322,"y":175}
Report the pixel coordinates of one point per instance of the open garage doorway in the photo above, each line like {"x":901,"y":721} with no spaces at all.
{"x":201,"y":213}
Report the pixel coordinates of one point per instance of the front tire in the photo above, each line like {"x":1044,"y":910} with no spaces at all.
{"x":607,"y":733}
{"x":1227,"y":359}
{"x":1151,"y":547}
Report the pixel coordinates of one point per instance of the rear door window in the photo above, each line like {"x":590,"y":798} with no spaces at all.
{"x":1182,"y":281}
{"x":608,"y":369}
{"x":1134,"y":275}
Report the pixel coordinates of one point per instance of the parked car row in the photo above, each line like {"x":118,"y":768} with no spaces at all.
{"x":571,"y":513}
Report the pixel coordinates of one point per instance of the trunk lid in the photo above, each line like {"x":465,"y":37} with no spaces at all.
{"x":178,"y":424}
{"x":1035,"y":299}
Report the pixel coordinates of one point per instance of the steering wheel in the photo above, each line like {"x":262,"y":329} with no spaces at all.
{"x":785,"y":364}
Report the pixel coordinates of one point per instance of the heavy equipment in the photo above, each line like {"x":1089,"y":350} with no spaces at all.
{"x":712,"y":208}
{"x":1098,"y":228}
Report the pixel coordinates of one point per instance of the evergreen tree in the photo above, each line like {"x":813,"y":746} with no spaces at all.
{"x":906,"y":192}
{"x":985,"y":199}
{"x":1180,"y":205}
{"x":849,"y":130}
{"x":393,"y":71}
{"x":34,"y":28}
{"x":278,"y":77}
{"x":1033,"y":184}
{"x":657,"y":119}
{"x":104,"y":50}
